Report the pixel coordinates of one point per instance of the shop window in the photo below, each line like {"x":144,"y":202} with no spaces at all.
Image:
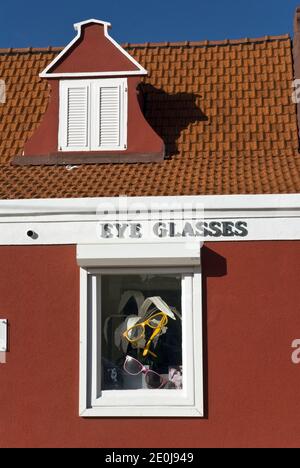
{"x":141,"y":342}
{"x":93,"y":115}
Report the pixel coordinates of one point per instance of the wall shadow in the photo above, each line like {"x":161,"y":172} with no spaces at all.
{"x":169,"y":114}
{"x":213,"y":265}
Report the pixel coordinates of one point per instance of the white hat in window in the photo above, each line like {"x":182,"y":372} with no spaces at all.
{"x":130,"y":320}
{"x":159,"y":305}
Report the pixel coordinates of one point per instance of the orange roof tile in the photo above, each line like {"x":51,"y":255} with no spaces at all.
{"x":223,"y":108}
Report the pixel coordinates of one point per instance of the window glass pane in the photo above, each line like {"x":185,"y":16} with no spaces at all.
{"x":141,"y":332}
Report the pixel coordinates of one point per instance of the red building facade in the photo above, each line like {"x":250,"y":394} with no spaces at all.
{"x":165,"y":171}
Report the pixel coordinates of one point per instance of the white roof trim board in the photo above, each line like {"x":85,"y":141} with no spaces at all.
{"x":77,"y":26}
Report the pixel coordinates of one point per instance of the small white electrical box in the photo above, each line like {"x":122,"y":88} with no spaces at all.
{"x":3,"y":335}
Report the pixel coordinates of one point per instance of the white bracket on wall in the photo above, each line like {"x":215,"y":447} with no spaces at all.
{"x":3,"y":335}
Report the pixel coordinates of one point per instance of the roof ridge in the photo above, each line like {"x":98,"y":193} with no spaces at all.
{"x":26,"y":50}
{"x":207,"y":43}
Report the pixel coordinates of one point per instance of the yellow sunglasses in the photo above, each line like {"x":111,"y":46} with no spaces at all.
{"x":135,"y":333}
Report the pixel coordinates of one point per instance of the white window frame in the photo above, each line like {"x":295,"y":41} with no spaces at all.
{"x":93,"y":86}
{"x":187,"y":402}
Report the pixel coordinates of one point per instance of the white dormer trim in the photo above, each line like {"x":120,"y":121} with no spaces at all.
{"x":78,"y":27}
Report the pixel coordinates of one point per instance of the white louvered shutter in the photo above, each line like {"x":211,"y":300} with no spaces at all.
{"x":109,"y":109}
{"x":75,"y":116}
{"x":93,"y":115}
{"x":109,"y":105}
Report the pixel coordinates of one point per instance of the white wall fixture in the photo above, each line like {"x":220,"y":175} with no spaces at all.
{"x":3,"y":335}
{"x":2,"y":92}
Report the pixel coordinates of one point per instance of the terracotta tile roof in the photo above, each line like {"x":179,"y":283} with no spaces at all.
{"x":224,"y":110}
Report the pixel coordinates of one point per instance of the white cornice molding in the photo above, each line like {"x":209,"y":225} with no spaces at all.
{"x":260,"y":205}
{"x":82,"y":220}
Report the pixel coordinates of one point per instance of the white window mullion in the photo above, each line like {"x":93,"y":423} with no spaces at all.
{"x":90,"y":114}
{"x":95,"y":115}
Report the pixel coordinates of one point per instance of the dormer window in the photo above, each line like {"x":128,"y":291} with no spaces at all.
{"x":93,"y":115}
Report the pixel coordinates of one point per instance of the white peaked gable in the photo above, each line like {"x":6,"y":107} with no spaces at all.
{"x":78,"y":27}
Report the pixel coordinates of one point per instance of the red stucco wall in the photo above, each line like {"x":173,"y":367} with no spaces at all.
{"x":251,"y":316}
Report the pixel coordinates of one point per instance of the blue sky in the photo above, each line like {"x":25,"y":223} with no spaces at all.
{"x":39,"y":24}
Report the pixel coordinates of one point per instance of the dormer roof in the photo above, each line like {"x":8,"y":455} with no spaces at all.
{"x":92,"y":53}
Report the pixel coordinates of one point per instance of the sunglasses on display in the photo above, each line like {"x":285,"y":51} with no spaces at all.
{"x":134,"y":367}
{"x":135,"y":333}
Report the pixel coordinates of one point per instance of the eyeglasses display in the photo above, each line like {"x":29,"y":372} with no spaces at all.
{"x":142,"y":336}
{"x":134,"y":367}
{"x":137,"y":332}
